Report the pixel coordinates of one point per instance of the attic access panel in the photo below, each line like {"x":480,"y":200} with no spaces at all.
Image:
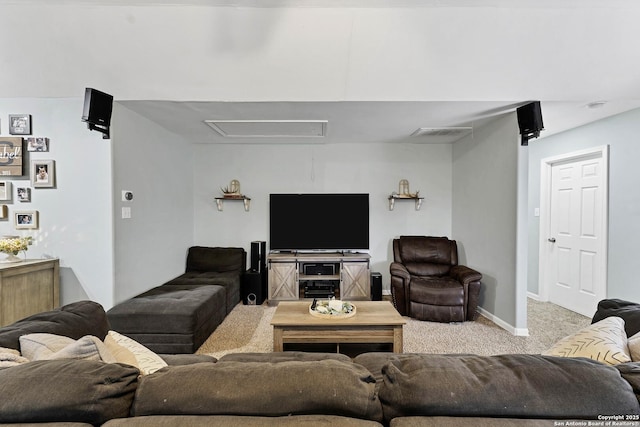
{"x":269,"y":128}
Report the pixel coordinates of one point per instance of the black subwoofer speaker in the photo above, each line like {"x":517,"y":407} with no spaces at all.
{"x":253,"y":287}
{"x":530,"y":121}
{"x":376,"y":286}
{"x":258,"y":255}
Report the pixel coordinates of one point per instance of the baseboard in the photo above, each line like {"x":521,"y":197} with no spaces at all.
{"x":518,"y":332}
{"x":533,"y":296}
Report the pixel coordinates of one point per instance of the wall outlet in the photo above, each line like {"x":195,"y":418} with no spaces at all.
{"x":126,"y":212}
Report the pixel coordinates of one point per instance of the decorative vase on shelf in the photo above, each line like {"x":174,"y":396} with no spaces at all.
{"x":11,"y":258}
{"x":12,"y":246}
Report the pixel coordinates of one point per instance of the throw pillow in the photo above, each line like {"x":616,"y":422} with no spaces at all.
{"x":604,"y":341}
{"x":50,"y":347}
{"x":634,"y":347}
{"x":121,"y":354}
{"x":148,"y":361}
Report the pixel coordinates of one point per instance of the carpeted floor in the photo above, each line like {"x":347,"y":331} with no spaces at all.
{"x":247,"y":329}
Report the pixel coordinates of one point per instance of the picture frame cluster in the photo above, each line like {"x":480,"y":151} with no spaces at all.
{"x":15,"y":154}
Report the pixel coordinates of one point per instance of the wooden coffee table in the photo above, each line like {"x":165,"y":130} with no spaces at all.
{"x":375,"y":322}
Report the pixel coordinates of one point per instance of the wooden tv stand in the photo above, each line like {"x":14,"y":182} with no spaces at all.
{"x":289,"y":273}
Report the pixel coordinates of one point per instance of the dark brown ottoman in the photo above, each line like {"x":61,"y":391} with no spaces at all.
{"x":170,"y":321}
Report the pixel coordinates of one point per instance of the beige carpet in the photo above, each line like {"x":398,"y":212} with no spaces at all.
{"x":247,"y":329}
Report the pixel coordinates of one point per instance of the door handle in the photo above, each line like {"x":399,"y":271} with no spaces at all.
{"x":552,"y":239}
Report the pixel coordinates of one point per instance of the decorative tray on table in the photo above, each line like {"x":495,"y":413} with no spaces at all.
{"x":332,"y":309}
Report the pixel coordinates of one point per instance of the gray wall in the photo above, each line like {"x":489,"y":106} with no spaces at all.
{"x":485,"y":200}
{"x":621,"y":133}
{"x":75,"y":217}
{"x":150,"y":247}
{"x":316,"y":168}
{"x":470,"y":190}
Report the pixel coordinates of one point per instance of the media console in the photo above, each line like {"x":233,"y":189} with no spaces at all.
{"x":298,"y":275}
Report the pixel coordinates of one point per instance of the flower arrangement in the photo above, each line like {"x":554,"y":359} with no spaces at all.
{"x":332,"y":308}
{"x":14,"y":245}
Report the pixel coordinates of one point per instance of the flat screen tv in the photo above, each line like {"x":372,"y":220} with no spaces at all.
{"x":319,"y":222}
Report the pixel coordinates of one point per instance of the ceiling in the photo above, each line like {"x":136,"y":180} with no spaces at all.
{"x":369,"y":70}
{"x":360,"y":122}
{"x":340,"y":3}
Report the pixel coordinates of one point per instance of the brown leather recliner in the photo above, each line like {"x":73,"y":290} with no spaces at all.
{"x":428,"y":284}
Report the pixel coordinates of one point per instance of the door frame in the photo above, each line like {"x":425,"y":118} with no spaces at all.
{"x":546,"y":165}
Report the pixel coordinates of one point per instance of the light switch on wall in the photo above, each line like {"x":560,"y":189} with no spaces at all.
{"x":536,"y":212}
{"x":126,"y":212}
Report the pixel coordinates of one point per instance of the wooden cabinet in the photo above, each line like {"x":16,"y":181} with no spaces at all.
{"x":283,"y":281}
{"x":28,"y":287}
{"x":355,"y":281}
{"x":289,"y":275}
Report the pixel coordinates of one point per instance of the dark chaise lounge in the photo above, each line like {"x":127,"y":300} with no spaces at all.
{"x":178,"y":316}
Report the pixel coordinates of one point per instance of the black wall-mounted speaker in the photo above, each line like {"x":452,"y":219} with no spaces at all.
{"x":530,"y":121}
{"x":97,"y":107}
{"x":258,"y":256}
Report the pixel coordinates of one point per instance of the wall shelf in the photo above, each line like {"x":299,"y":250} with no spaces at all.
{"x":394,"y":197}
{"x":246,"y":200}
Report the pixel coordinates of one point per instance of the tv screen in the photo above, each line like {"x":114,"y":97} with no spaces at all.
{"x":318,"y":222}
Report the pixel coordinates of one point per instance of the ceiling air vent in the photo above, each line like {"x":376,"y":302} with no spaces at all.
{"x":440,"y":135}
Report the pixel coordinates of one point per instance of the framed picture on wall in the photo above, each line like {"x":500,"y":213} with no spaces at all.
{"x":43,"y":173}
{"x":11,"y":156}
{"x":5,"y":190}
{"x":20,"y":124}
{"x":37,"y":144}
{"x":24,"y":194}
{"x":26,"y":219}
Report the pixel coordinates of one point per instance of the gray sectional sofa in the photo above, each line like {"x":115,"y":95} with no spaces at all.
{"x":179,"y":315}
{"x":305,"y":389}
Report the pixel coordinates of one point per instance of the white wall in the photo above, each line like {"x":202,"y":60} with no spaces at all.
{"x":75,"y":217}
{"x":621,"y":134}
{"x":485,"y":207}
{"x":296,"y":168}
{"x":150,"y":247}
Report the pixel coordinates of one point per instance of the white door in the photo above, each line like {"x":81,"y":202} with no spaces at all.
{"x":575,"y":239}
